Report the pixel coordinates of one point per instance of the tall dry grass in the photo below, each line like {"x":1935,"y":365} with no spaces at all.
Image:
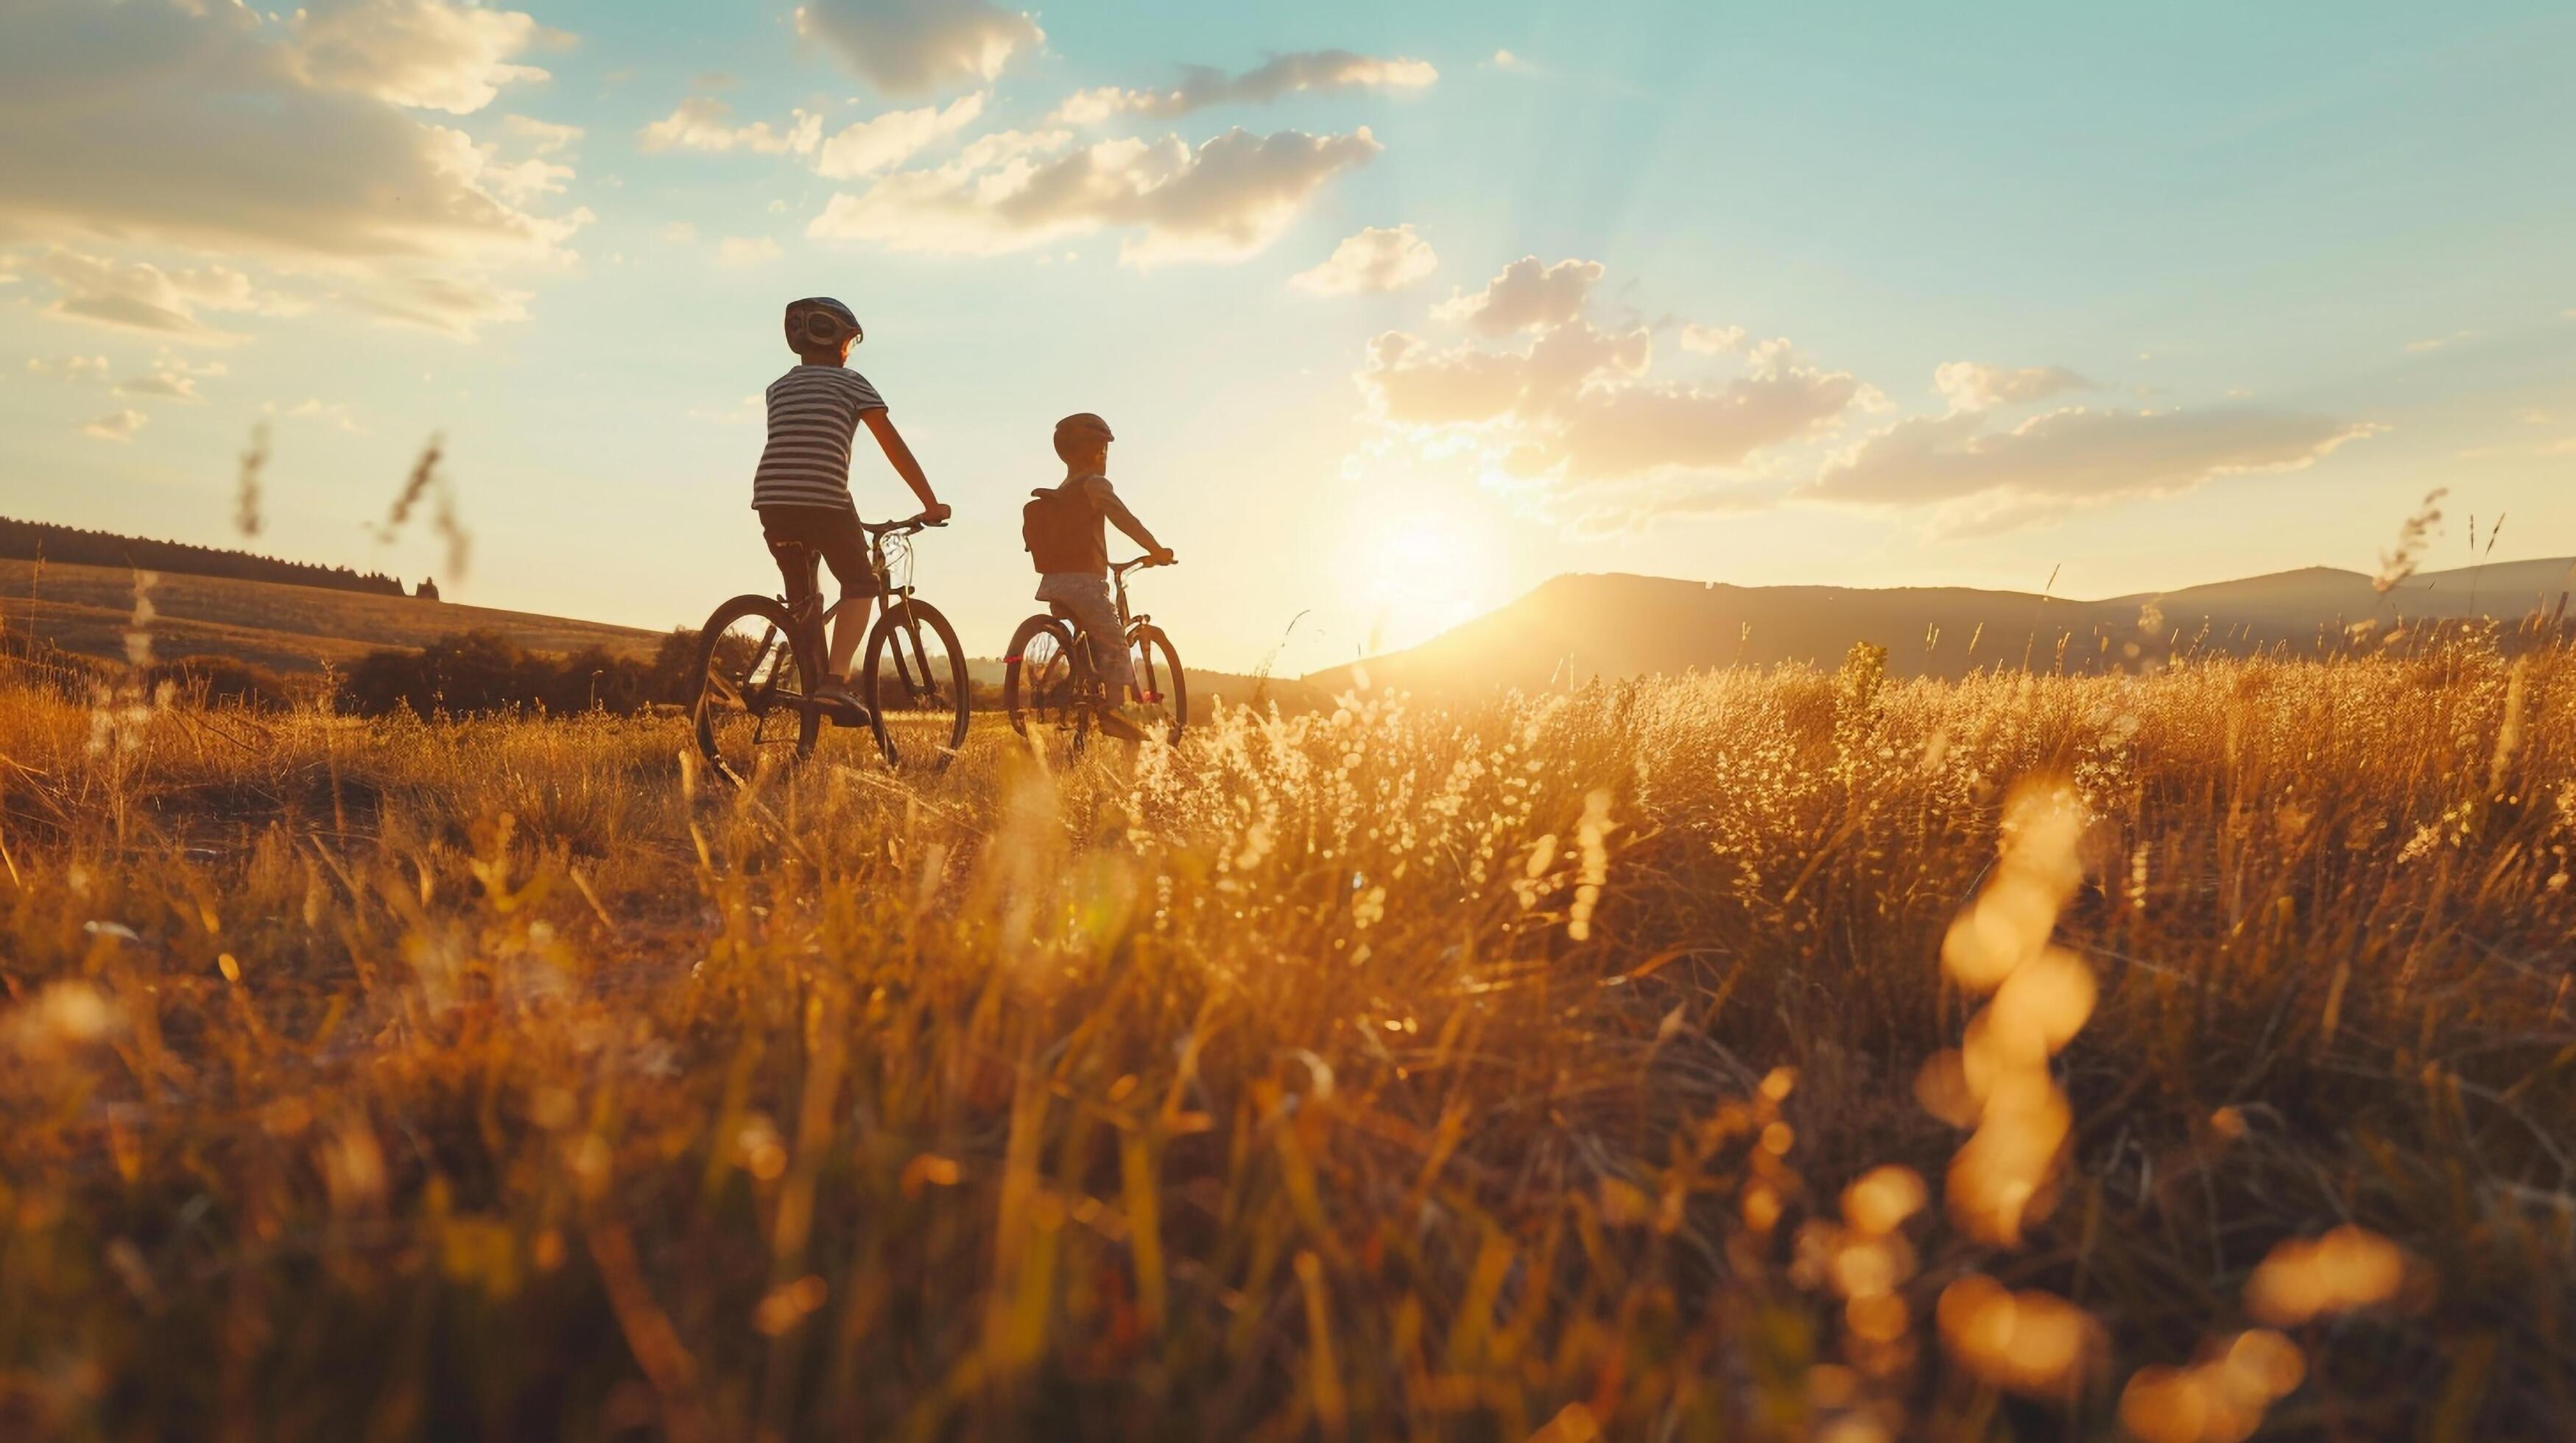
{"x":1577,"y":1066}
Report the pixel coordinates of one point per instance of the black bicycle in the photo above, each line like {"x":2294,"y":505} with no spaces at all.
{"x":761,"y":661}
{"x":1053,"y":692}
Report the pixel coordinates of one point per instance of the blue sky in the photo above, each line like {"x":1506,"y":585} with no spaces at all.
{"x":2219,"y":289}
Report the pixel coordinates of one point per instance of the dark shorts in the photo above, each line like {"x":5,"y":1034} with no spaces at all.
{"x":793,"y":531}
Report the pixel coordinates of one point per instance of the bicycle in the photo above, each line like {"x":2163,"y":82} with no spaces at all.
{"x":1049,"y":682}
{"x":759,"y":661}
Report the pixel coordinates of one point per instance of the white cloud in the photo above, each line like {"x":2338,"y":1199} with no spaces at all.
{"x":144,"y":297}
{"x":1377,"y":259}
{"x":80,"y":369}
{"x":2074,"y":456}
{"x":1527,"y":296}
{"x":740,"y":413}
{"x":1711,"y":340}
{"x":171,"y":377}
{"x":2436,"y":343}
{"x":1506,"y":61}
{"x":542,"y":137}
{"x":158,"y":123}
{"x":116,"y":425}
{"x":704,"y":123}
{"x":455,"y":306}
{"x":416,"y":53}
{"x":894,"y":137}
{"x":1571,"y":414}
{"x":742,"y":251}
{"x":1972,"y":386}
{"x":1202,"y":86}
{"x":680,"y":232}
{"x":334,"y":414}
{"x":1227,"y":199}
{"x":908,"y":47}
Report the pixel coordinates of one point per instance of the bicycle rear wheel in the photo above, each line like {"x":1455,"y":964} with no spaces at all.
{"x":1162,"y":688}
{"x":1042,"y":687}
{"x":917,"y":686}
{"x":752,"y":683}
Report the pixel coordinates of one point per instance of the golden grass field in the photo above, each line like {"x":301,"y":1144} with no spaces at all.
{"x":1749,"y":1055}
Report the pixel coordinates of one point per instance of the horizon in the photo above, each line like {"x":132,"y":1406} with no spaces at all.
{"x":1499,"y":297}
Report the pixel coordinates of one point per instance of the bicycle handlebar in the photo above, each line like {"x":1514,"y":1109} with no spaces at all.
{"x":908,"y":527}
{"x":1139,"y":563}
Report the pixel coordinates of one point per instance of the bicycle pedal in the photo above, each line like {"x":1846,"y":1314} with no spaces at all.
{"x":846,"y":713}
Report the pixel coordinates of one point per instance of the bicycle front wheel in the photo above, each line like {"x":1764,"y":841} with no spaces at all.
{"x":752,"y":683}
{"x":917,"y":686}
{"x":1162,"y":689}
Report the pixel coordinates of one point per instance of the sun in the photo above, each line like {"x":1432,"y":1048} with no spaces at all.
{"x":1428,"y":571}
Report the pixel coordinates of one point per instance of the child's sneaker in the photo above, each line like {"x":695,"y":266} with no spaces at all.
{"x":1126,"y":723}
{"x":843,"y":704}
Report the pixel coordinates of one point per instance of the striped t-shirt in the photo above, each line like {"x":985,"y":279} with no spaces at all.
{"x":813,"y":410}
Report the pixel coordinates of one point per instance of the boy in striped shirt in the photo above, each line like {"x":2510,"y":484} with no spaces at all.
{"x":802,"y":488}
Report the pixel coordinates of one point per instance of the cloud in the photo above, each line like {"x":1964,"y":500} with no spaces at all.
{"x":172,"y":378}
{"x":894,"y":137}
{"x":1227,"y":199}
{"x":1971,"y":386}
{"x":1571,"y":414}
{"x":1202,"y":86}
{"x":165,"y":123}
{"x":80,"y":369}
{"x":740,"y":413}
{"x":334,"y":414}
{"x":2436,"y":343}
{"x":909,"y":47}
{"x":740,"y":251}
{"x":542,"y":137}
{"x":1711,"y":340}
{"x":458,"y":307}
{"x":116,"y":425}
{"x":416,"y":53}
{"x":144,"y":297}
{"x":1509,"y":63}
{"x":1527,"y":296}
{"x":1377,"y":259}
{"x":704,"y":123}
{"x":2074,"y":456}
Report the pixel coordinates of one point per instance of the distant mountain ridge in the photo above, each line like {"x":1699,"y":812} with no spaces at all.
{"x":1579,"y":626}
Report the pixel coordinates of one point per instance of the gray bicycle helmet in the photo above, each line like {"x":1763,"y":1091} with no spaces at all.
{"x":821,"y":321}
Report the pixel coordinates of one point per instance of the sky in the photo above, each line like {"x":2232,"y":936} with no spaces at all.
{"x":1398,"y":310}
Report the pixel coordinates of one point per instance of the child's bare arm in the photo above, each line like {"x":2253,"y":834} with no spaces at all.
{"x":899,"y":456}
{"x":1124,"y":519}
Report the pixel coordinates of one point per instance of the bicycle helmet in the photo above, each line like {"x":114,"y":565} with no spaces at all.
{"x":1078,"y":428}
{"x":820,"y":321}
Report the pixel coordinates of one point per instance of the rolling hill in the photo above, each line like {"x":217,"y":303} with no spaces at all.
{"x":88,"y":609}
{"x":1580,"y":626}
{"x":1569,"y":629}
{"x":297,"y":629}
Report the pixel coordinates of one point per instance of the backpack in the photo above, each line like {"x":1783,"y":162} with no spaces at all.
{"x":1062,"y":533}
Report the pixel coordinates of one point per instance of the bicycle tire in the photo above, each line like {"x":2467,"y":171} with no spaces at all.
{"x":722,"y":670}
{"x":1161,"y":685}
{"x":910,"y":688}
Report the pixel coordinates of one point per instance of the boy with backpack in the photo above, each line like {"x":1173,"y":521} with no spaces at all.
{"x":1065,"y":527}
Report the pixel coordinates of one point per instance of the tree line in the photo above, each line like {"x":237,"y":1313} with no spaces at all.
{"x":482,"y":672}
{"x":42,"y":540}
